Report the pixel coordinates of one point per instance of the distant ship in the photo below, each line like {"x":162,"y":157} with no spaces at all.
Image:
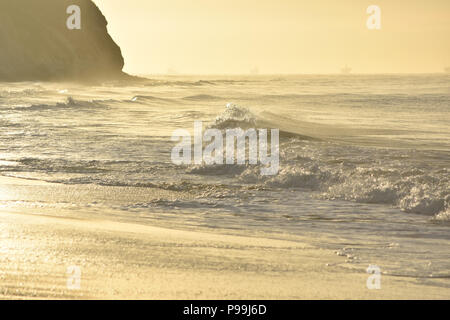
{"x":171,"y":72}
{"x":447,"y":70}
{"x":346,"y":70}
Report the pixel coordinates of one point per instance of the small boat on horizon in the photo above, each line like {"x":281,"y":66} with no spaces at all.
{"x":254,"y":71}
{"x":447,"y":70}
{"x":346,"y":70}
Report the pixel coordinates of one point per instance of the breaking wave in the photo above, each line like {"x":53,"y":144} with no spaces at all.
{"x":235,"y":117}
{"x":371,"y":178}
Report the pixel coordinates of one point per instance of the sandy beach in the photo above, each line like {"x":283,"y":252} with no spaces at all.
{"x":134,"y":261}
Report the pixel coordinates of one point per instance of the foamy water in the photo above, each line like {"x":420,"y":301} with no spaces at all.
{"x":362,"y":158}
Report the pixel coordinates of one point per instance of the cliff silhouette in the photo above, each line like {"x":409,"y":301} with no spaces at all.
{"x":36,"y":44}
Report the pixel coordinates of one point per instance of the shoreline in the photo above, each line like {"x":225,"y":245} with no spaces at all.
{"x":130,"y":261}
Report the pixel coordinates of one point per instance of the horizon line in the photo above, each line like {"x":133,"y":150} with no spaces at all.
{"x":286,"y":74}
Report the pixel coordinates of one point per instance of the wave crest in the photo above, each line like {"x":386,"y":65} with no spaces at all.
{"x":235,"y":116}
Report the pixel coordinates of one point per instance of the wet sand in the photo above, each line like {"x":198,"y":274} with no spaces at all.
{"x":135,"y":261}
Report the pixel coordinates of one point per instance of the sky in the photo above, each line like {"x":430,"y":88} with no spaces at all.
{"x":279,"y":36}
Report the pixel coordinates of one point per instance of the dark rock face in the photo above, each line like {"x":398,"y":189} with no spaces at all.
{"x":35,"y":43}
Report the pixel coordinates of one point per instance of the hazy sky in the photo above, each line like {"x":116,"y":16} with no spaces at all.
{"x":279,"y":36}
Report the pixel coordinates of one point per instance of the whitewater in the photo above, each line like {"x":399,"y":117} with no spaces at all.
{"x":364,"y":159}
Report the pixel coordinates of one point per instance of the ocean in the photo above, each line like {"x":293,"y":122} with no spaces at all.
{"x":364,"y":159}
